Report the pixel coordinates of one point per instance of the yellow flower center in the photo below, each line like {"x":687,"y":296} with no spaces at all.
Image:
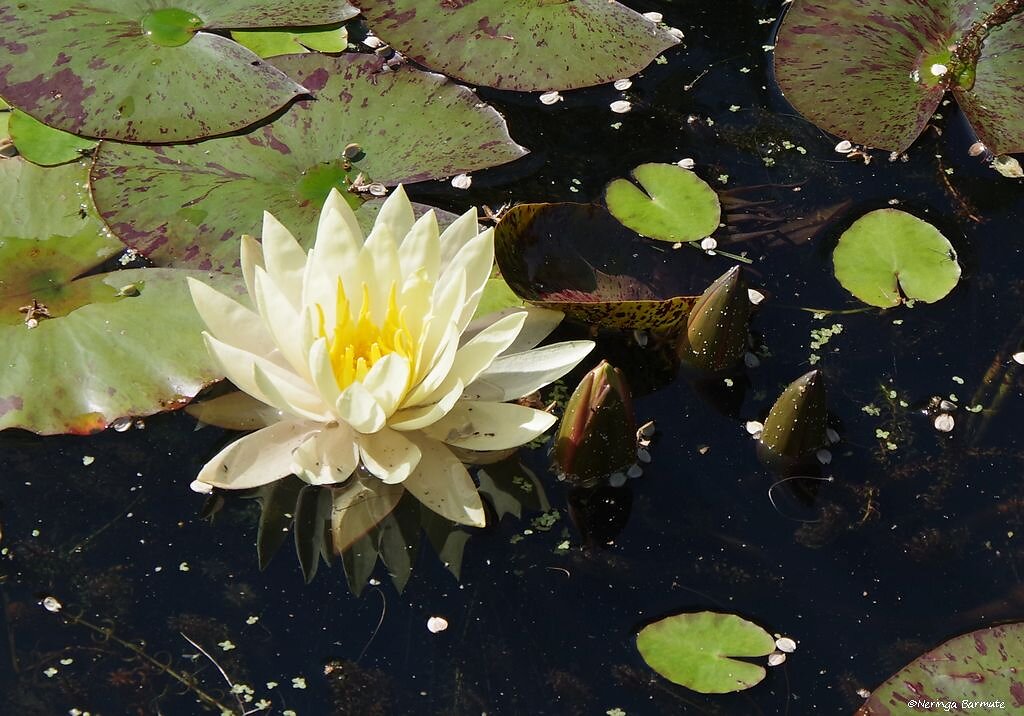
{"x":357,"y":344}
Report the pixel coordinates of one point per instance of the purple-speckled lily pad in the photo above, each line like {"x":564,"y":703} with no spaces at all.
{"x":982,"y":666}
{"x":144,"y":70}
{"x":80,"y":352}
{"x":874,"y":71}
{"x":521,"y":45}
{"x":185,"y":206}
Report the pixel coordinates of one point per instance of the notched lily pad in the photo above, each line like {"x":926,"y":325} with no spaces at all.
{"x":146,"y":70}
{"x":697,"y":651}
{"x":185,"y":206}
{"x":982,"y":666}
{"x":521,"y":45}
{"x":887,"y":256}
{"x":671,"y":204}
{"x":82,"y":351}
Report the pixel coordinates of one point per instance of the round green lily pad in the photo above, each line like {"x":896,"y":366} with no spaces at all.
{"x":147,"y":70}
{"x":524,"y":45}
{"x":671,"y":203}
{"x":697,"y":651}
{"x":81,"y":352}
{"x":185,"y":206}
{"x":888,"y":256}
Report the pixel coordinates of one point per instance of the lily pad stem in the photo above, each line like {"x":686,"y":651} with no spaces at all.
{"x":968,"y":48}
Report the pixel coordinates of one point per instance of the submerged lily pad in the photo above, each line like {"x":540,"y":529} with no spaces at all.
{"x":82,"y":351}
{"x":145,"y":70}
{"x":697,"y":651}
{"x":576,"y":258}
{"x":526,"y":45}
{"x":983,"y":666}
{"x":185,"y":206}
{"x":878,"y":82}
{"x":45,"y":145}
{"x":674,"y":204}
{"x":888,"y":255}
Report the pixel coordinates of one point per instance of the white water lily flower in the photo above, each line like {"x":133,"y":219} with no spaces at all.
{"x":364,"y":351}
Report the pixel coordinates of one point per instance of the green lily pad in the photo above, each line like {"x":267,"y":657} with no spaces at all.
{"x":270,"y":43}
{"x":144,"y":70}
{"x":888,"y":255}
{"x":674,"y":204}
{"x":81,"y":350}
{"x":983,"y":666}
{"x":497,"y":296}
{"x":697,"y":651}
{"x":521,"y":45}
{"x":878,"y":83}
{"x":45,"y":145}
{"x":185,"y":206}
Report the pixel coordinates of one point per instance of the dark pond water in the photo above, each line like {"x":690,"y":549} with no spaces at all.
{"x":907,"y":546}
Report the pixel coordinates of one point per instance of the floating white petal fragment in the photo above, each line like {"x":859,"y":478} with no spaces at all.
{"x":832,"y":435}
{"x":1019,"y":357}
{"x":201,"y":487}
{"x":785,"y":644}
{"x":708,"y":244}
{"x":122,"y":424}
{"x":623,"y":84}
{"x":776,"y":659}
{"x":621,"y":106}
{"x":51,"y":604}
{"x":976,"y":149}
{"x":938,"y":69}
{"x":653,"y":16}
{"x":647,"y":429}
{"x":824,"y":456}
{"x":462,"y":181}
{"x":88,"y":460}
{"x":844,"y":147}
{"x":373,"y":42}
{"x":436,"y":624}
{"x":676,"y":33}
{"x":947,"y":405}
{"x":754,"y":427}
{"x":687,"y":163}
{"x":755,"y":296}
{"x":944,"y":422}
{"x":551,"y":97}
{"x":864,"y":693}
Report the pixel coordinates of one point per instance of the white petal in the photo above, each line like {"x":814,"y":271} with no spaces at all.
{"x":357,"y":407}
{"x":475,"y":261}
{"x":457,"y":234}
{"x":421,"y":416}
{"x":338,"y":241}
{"x":387,"y":380}
{"x":284,"y":259}
{"x":322,"y":372}
{"x":389,"y":455}
{"x":284,"y":395}
{"x":251,"y":257}
{"x":396,"y":213}
{"x":379,"y":268}
{"x":330,"y":456}
{"x":540,"y":322}
{"x":438,"y":325}
{"x":282,"y":322}
{"x":421,"y":247}
{"x":442,"y":483}
{"x":476,"y":355}
{"x":438,"y":371}
{"x":515,"y":375}
{"x":258,"y":458}
{"x":230,"y":321}
{"x":415,"y":302}
{"x":480,"y":425}
{"x":235,"y":411}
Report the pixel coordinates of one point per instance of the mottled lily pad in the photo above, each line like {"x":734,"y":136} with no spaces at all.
{"x":45,"y":145}
{"x":888,"y":255}
{"x":578,"y":259}
{"x":145,"y":70}
{"x":983,"y":666}
{"x":270,"y":43}
{"x":525,"y":45}
{"x":697,"y":651}
{"x":874,"y":71}
{"x":185,"y":206}
{"x":671,"y":203}
{"x":82,"y":351}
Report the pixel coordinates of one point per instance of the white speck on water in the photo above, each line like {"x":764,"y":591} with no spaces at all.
{"x":1019,"y":357}
{"x":755,"y":296}
{"x":551,"y":97}
{"x":709,"y":244}
{"x":226,"y":645}
{"x":754,"y":428}
{"x":298,"y":683}
{"x":183,"y":567}
{"x":88,"y":460}
{"x":776,"y":659}
{"x":51,"y":604}
{"x":785,"y":644}
{"x":654,"y":16}
{"x":944,"y":422}
{"x":676,"y":33}
{"x":436,"y":624}
{"x":462,"y":181}
{"x":938,"y":69}
{"x":621,"y":106}
{"x":686,"y":163}
{"x":844,"y":147}
{"x":623,"y":84}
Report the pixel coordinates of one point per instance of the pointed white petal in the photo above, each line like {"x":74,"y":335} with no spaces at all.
{"x":442,"y":483}
{"x":330,"y":456}
{"x":514,"y":375}
{"x":475,"y":262}
{"x":251,"y":257}
{"x":396,"y":214}
{"x":438,"y":324}
{"x":235,"y":411}
{"x":284,"y":258}
{"x":258,"y":458}
{"x":421,"y":416}
{"x":438,"y":371}
{"x":389,"y":455}
{"x":476,"y":355}
{"x":338,"y":240}
{"x":540,"y":322}
{"x":479,"y":425}
{"x":387,"y":381}
{"x":379,"y":268}
{"x":281,"y":321}
{"x":238,"y":364}
{"x":322,"y":372}
{"x":457,"y":234}
{"x":421,"y":247}
{"x":230,"y":321}
{"x":285,"y":395}
{"x":357,"y":407}
{"x":415,"y":302}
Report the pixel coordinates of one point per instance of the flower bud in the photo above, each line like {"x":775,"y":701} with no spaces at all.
{"x":716,"y":330}
{"x":796,"y":424}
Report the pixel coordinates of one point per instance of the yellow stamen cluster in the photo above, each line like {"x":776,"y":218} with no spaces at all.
{"x":357,"y":344}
